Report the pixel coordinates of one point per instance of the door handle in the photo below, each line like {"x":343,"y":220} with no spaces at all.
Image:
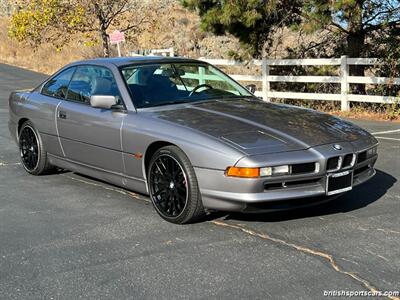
{"x":62,"y":114}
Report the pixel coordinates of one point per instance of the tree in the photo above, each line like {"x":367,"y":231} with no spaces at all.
{"x":357,"y":23}
{"x":253,"y":22}
{"x":56,"y":21}
{"x":361,"y":28}
{"x":357,"y":28}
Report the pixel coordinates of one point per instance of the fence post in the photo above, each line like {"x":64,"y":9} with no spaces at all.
{"x":344,"y":85}
{"x":171,"y":52}
{"x":201,"y":75}
{"x":265,"y":83}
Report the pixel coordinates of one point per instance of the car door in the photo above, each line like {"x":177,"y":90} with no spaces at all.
{"x":89,"y":135}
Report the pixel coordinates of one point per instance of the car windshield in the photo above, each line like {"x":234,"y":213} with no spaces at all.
{"x":166,"y":83}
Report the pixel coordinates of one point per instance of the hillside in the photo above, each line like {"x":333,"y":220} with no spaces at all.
{"x":170,"y":26}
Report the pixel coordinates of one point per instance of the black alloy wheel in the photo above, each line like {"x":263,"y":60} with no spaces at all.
{"x":32,"y":151}
{"x":29,"y":148}
{"x":173,"y":186}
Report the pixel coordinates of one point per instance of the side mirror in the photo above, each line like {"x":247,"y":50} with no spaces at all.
{"x":251,"y":88}
{"x":103,"y":101}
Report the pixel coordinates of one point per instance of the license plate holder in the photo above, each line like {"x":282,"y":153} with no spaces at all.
{"x":337,"y":183}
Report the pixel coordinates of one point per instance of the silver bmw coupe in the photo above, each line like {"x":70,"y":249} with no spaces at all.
{"x":188,"y":135}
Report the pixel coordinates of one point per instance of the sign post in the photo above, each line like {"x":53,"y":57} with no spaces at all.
{"x":116,"y":38}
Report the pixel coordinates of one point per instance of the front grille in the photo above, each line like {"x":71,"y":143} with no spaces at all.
{"x":362,"y":156}
{"x":347,"y":160}
{"x":303,"y":168}
{"x":333,"y":163}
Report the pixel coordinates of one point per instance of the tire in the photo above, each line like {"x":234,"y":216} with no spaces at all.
{"x":32,"y":151}
{"x":173,"y":186}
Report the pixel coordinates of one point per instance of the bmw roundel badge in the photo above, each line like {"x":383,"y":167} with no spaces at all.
{"x":337,"y":147}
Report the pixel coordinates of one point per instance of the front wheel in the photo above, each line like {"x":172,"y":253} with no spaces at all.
{"x":173,"y":186}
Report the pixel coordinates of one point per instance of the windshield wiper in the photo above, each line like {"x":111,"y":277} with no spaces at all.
{"x":170,"y":103}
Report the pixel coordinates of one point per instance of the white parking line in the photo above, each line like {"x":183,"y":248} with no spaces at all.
{"x":386,"y":132}
{"x":387,"y":138}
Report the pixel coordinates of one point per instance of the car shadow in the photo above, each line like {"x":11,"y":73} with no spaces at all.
{"x":106,"y":184}
{"x":361,"y":196}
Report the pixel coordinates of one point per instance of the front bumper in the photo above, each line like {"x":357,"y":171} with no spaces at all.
{"x":220,"y":192}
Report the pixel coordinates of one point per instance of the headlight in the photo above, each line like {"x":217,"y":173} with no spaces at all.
{"x":277,"y":170}
{"x":257,"y":172}
{"x":372,"y":151}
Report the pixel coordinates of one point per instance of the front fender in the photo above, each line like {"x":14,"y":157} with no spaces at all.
{"x":139,"y":132}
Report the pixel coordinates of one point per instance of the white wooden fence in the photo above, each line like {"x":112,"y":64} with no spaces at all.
{"x":344,"y":79}
{"x":163,"y":52}
{"x":159,"y":52}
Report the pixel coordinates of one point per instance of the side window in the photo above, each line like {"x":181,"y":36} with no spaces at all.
{"x":92,"y":80}
{"x":58,"y":85}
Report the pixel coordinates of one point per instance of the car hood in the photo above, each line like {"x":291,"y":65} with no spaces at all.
{"x":256,"y":127}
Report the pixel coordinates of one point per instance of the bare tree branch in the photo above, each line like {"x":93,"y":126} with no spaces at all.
{"x":375,"y":27}
{"x":382,"y":12}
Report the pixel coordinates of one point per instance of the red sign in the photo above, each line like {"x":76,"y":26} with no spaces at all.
{"x":117,"y":37}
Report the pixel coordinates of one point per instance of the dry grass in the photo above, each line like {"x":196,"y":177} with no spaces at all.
{"x":44,"y":59}
{"x":367,"y":111}
{"x":171,"y":26}
{"x":365,"y":115}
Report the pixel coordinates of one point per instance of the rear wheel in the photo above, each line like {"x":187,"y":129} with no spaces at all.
{"x":173,"y":186}
{"x":32,"y":151}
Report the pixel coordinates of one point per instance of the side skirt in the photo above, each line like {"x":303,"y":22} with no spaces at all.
{"x":131,"y":183}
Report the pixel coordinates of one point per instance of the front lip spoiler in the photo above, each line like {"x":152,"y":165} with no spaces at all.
{"x":285,"y":205}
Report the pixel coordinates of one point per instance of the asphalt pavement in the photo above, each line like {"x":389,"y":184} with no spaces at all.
{"x":66,"y":236}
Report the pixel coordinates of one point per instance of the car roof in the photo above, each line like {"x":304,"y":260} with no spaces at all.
{"x":131,"y":60}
